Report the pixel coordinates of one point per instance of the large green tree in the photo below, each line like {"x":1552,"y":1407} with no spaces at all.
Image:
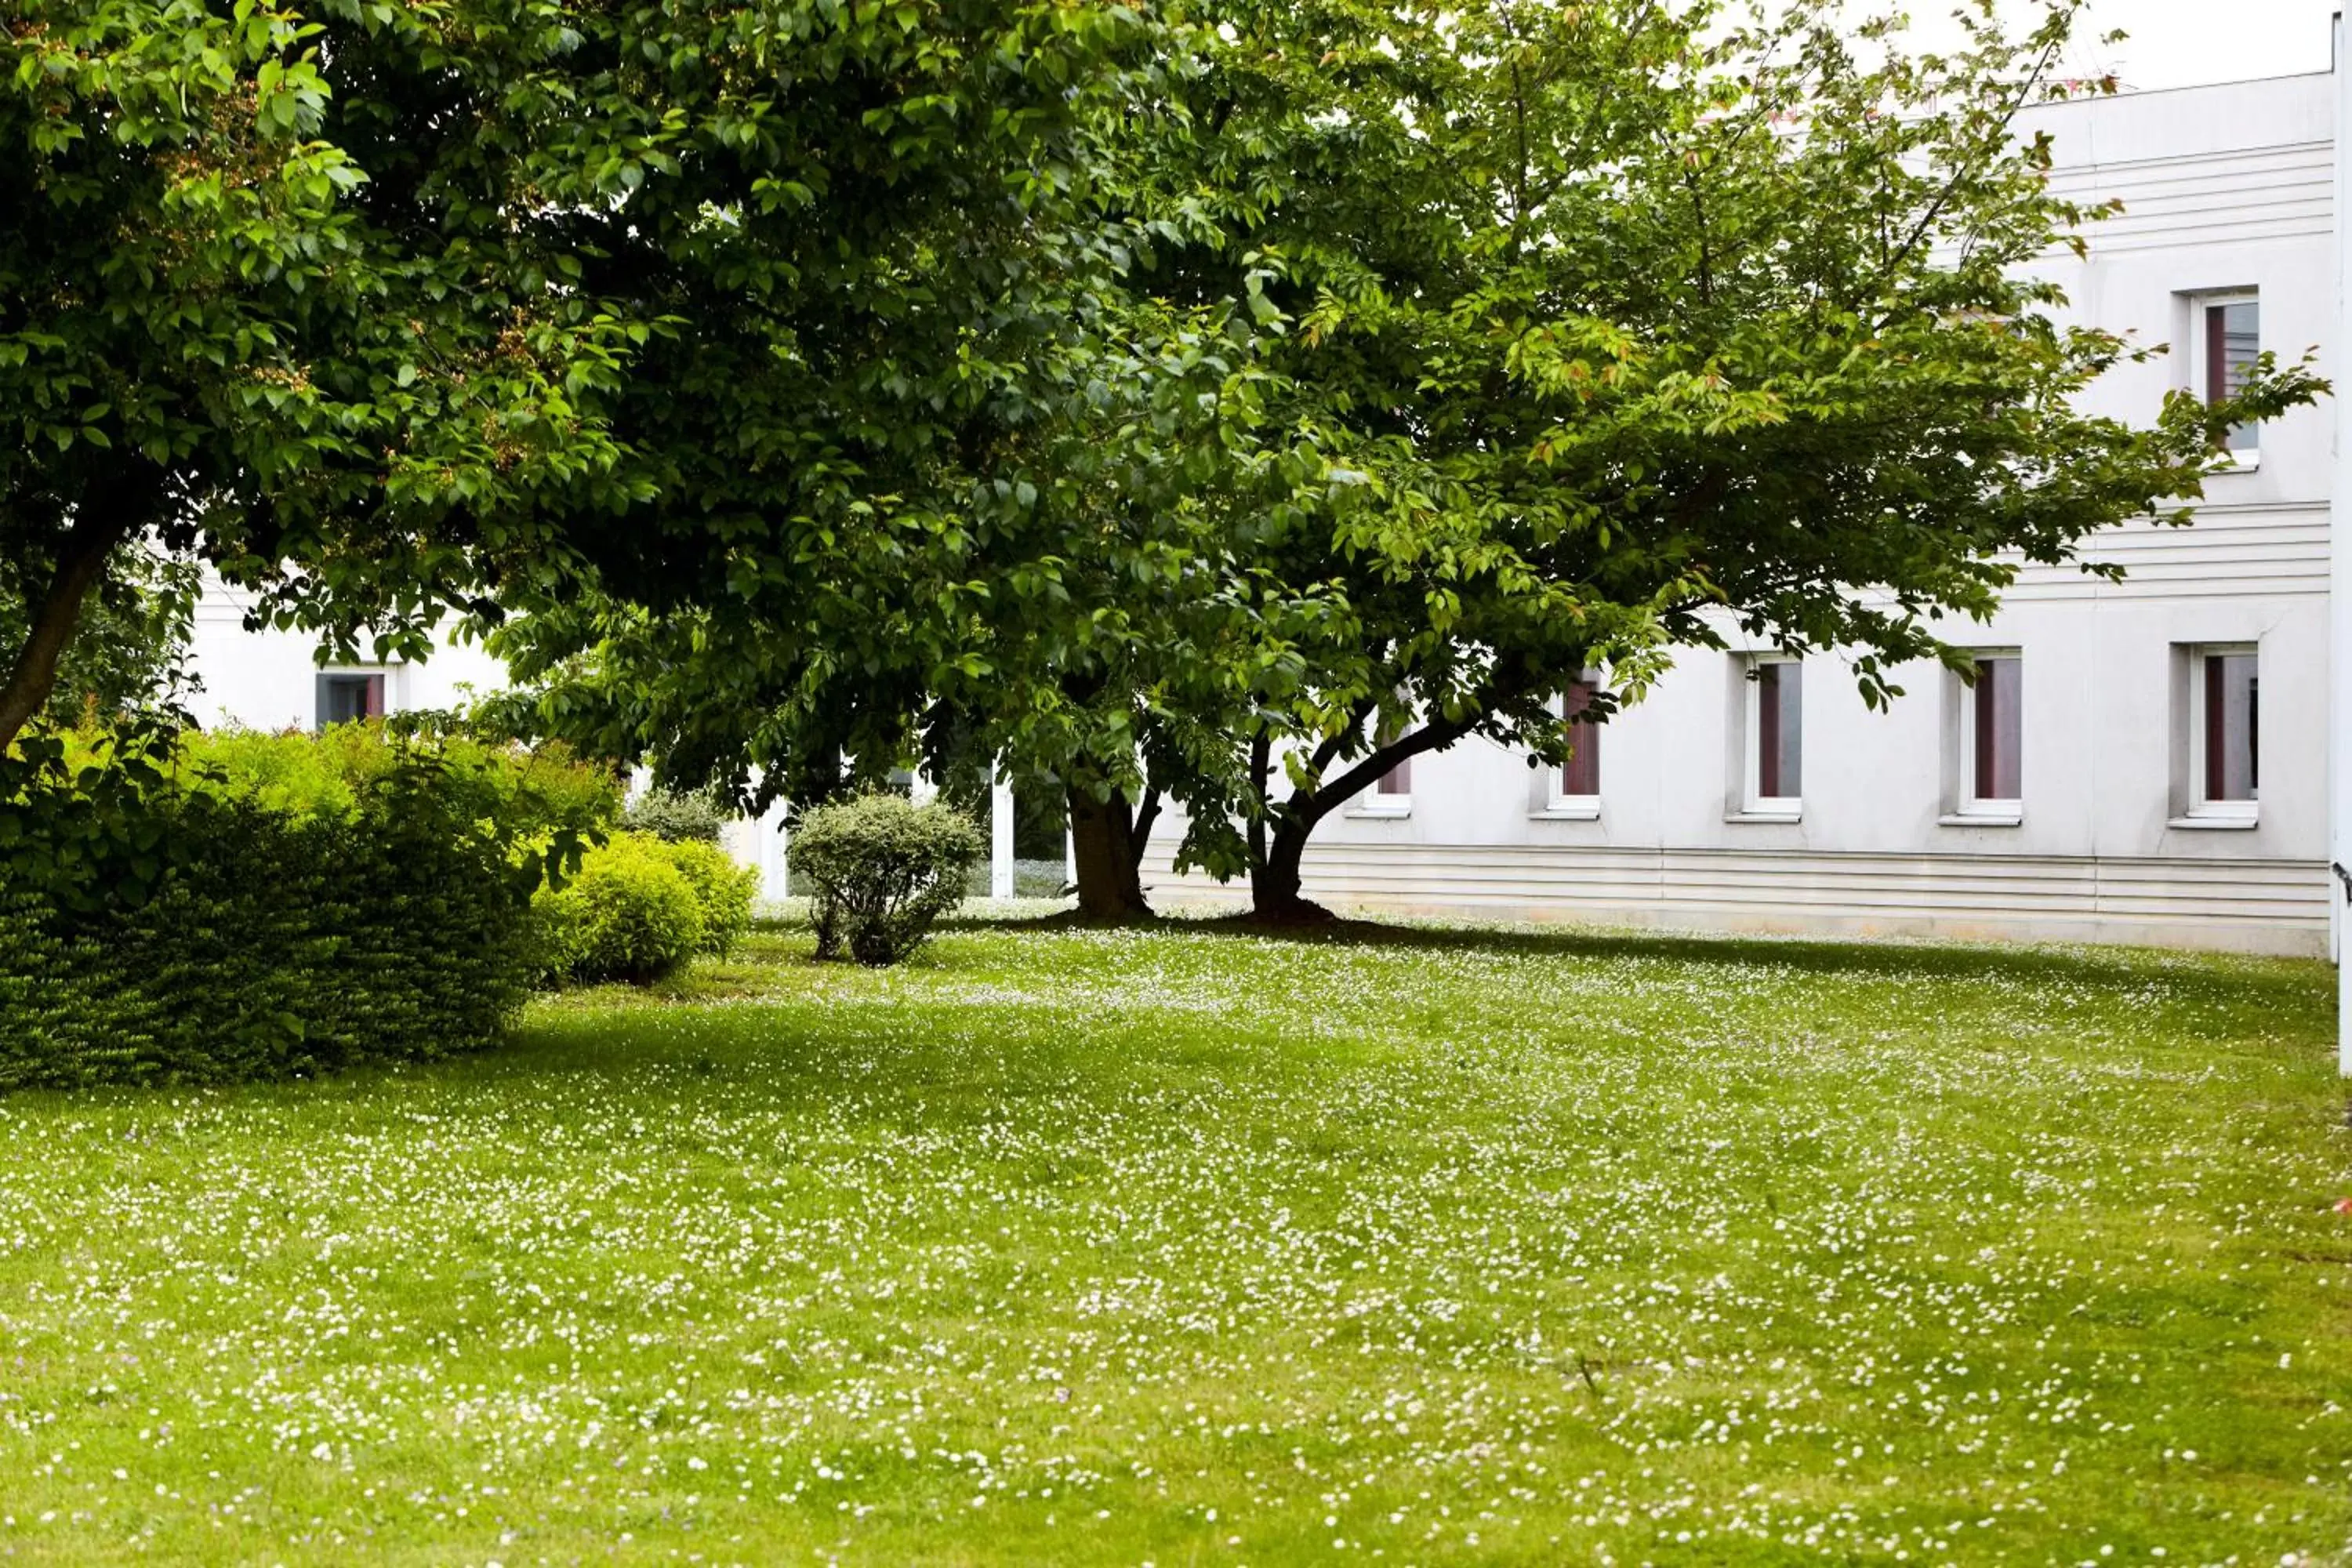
{"x":1555,"y":338}
{"x":1085,"y":558}
{"x":1626,"y":328}
{"x":383,"y":309}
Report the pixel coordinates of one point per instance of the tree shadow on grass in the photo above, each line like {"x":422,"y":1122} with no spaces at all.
{"x":793,"y":1044}
{"x":1887,"y":958}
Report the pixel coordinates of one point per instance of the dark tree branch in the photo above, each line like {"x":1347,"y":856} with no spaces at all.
{"x":1320,"y":757}
{"x":1706,"y":250}
{"x":1968,"y":169}
{"x":112,"y":509}
{"x":1519,"y":179}
{"x":1261,"y":756}
{"x":1308,"y":808}
{"x":1146,"y":812}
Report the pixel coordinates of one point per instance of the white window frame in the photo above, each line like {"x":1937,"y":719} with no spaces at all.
{"x":1557,"y":803}
{"x":1370,"y":801}
{"x":2195,"y":364}
{"x":2197,"y":809}
{"x":383,"y":672}
{"x":1968,"y":808}
{"x":1754,"y":804}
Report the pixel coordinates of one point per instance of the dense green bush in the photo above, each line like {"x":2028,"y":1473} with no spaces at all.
{"x":629,"y":913}
{"x":722,"y":889}
{"x":677,"y":816}
{"x":883,"y":870}
{"x":183,"y":908}
{"x":274,"y":944}
{"x":527,"y":790}
{"x":211,"y":908}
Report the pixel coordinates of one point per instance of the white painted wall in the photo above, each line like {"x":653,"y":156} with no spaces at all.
{"x":268,"y":680}
{"x":2339,"y":666}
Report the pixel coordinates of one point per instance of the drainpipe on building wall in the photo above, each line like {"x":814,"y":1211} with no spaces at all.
{"x":2340,"y":585}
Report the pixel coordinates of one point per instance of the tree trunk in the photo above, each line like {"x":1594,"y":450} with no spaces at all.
{"x":1274,"y":880}
{"x":1103,"y":841}
{"x":110,"y":510}
{"x":1138,"y":835}
{"x":1275,"y":859}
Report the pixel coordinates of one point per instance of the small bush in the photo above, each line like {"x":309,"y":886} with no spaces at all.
{"x":723,"y":890}
{"x":677,"y":816}
{"x":629,"y":913}
{"x":883,"y":870}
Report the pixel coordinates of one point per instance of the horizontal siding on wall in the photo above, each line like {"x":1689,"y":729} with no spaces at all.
{"x":218,"y":609}
{"x":2258,"y":192}
{"x":219,"y":605}
{"x":2227,"y":551}
{"x":2278,"y":906}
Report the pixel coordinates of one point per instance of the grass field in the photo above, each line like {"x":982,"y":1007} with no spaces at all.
{"x":1193,"y":1248}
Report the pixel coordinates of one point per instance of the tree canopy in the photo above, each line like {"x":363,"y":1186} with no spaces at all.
{"x":383,"y":309}
{"x":1626,"y":328}
{"x":1455,"y":353}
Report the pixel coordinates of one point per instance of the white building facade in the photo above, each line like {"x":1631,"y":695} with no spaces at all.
{"x":269,"y":680}
{"x":2145,"y":762}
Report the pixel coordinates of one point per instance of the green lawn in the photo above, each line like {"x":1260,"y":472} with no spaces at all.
{"x":1196,"y":1247}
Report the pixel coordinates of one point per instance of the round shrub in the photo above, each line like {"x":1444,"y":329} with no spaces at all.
{"x":629,"y":913}
{"x":677,"y":817}
{"x":722,"y":889}
{"x":884,"y":869}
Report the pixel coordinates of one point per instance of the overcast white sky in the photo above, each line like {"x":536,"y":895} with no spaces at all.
{"x":2182,"y":43}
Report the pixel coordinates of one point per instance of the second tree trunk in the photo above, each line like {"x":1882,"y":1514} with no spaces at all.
{"x":1108,"y":858}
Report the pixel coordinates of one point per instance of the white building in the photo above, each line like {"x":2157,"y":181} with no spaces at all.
{"x":270,"y":680}
{"x":2151,"y":765}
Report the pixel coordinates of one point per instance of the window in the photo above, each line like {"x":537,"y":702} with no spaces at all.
{"x":1579,"y":776}
{"x":2225,"y":336}
{"x":346,"y":697}
{"x":1391,"y":793}
{"x":1572,"y":790}
{"x":2224,"y":732}
{"x":1776,"y":735}
{"x":1991,"y":738}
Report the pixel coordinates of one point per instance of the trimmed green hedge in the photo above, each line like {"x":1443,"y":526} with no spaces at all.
{"x":282,"y":906}
{"x":525,"y":791}
{"x":274,"y":946}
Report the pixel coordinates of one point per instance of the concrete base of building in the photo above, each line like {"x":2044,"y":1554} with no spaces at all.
{"x":2249,"y":906}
